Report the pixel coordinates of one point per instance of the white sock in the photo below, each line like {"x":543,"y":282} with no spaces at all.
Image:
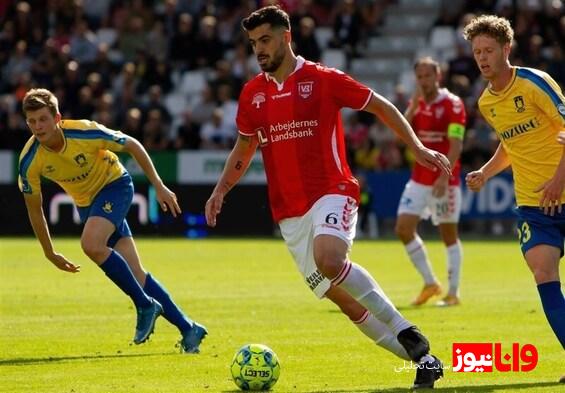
{"x":362,"y":287}
{"x":380,"y":334}
{"x":419,"y":256}
{"x":454,"y":261}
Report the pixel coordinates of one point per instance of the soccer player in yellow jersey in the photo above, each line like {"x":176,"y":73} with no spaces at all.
{"x":78,"y":156}
{"x":527,"y":111}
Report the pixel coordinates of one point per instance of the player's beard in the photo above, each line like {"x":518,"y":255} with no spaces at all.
{"x":273,"y":65}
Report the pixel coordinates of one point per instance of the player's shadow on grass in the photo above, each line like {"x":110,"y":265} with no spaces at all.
{"x":460,"y":389}
{"x":52,"y":359}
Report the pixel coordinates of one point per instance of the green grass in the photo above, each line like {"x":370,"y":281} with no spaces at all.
{"x":70,"y":333}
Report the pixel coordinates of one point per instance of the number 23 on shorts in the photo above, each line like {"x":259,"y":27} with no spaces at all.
{"x":524,"y":233}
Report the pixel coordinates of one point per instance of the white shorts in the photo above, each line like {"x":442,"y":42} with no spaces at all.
{"x":334,"y":215}
{"x":417,"y":200}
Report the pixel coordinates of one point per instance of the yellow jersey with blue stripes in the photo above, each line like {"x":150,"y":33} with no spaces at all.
{"x":85,"y":164}
{"x":527,"y":116}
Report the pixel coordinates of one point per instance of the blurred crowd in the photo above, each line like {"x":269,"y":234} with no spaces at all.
{"x":169,"y":72}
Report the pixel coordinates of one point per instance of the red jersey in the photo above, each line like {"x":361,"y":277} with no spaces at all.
{"x":431,"y":123}
{"x":298,"y":125}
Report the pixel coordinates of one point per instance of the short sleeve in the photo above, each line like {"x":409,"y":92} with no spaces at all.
{"x":548,"y":97}
{"x":29,"y":181}
{"x":111,"y":139}
{"x":346,"y":91}
{"x":243,"y":118}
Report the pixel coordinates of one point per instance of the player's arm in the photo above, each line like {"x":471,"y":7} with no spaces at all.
{"x":39,"y":224}
{"x":392,"y":118}
{"x":552,"y":190}
{"x":498,"y":162}
{"x":549,"y":99}
{"x":236,"y":165}
{"x":455,"y":148}
{"x":167,"y":199}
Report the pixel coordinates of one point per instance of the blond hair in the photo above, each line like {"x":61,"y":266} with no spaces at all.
{"x":492,"y":26}
{"x":36,"y":99}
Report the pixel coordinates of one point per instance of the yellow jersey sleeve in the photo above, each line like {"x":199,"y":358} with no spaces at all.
{"x":29,"y":180}
{"x":106,"y":138}
{"x":547,"y":95}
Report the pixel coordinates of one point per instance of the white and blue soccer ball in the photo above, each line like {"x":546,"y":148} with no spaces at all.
{"x":255,"y":367}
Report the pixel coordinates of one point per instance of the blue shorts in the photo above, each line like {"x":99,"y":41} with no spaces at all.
{"x":535,"y":228}
{"x":112,"y":202}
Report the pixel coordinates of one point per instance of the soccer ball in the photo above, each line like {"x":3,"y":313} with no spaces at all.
{"x":255,"y":367}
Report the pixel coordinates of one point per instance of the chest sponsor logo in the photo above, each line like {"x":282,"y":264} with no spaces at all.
{"x":520,"y":129}
{"x":519,"y":104}
{"x":258,"y":99}
{"x":305,"y":89}
{"x":262,"y":136}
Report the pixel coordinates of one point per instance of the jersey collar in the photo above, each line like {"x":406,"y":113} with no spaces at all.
{"x":299,"y":63}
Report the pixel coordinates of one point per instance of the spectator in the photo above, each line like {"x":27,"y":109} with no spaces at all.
{"x":188,"y":133}
{"x":306,"y":44}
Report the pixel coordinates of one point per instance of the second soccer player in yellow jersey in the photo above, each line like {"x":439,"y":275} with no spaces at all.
{"x":526,"y":108}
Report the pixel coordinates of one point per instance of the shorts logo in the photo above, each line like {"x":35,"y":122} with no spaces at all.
{"x":258,"y":99}
{"x":479,"y":358}
{"x":107,"y":207}
{"x":305,"y":89}
{"x":519,"y":104}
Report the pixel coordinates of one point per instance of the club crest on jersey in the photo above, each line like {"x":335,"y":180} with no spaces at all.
{"x":258,"y":99}
{"x":519,"y":104}
{"x":305,"y":89}
{"x":439,"y":112}
{"x":80,"y":159}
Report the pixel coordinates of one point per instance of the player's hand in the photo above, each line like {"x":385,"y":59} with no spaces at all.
{"x":561,"y":137}
{"x":63,"y":263}
{"x":440,"y":186}
{"x":551,"y":191}
{"x":432,"y":159}
{"x":214,"y":207}
{"x":167,"y":200}
{"x":475,"y":180}
{"x":417,"y":95}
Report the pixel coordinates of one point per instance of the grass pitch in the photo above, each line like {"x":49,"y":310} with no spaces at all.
{"x":71,"y":333}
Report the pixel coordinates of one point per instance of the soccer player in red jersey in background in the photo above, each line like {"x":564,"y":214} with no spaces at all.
{"x":438,"y":117}
{"x":291,"y":110}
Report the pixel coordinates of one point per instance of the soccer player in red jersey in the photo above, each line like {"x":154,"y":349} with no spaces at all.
{"x":438,"y":117}
{"x":292,"y":111}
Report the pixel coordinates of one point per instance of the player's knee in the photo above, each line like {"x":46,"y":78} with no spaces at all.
{"x":403,"y":232}
{"x":330,"y":263}
{"x":543,"y":274}
{"x":93,"y":250}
